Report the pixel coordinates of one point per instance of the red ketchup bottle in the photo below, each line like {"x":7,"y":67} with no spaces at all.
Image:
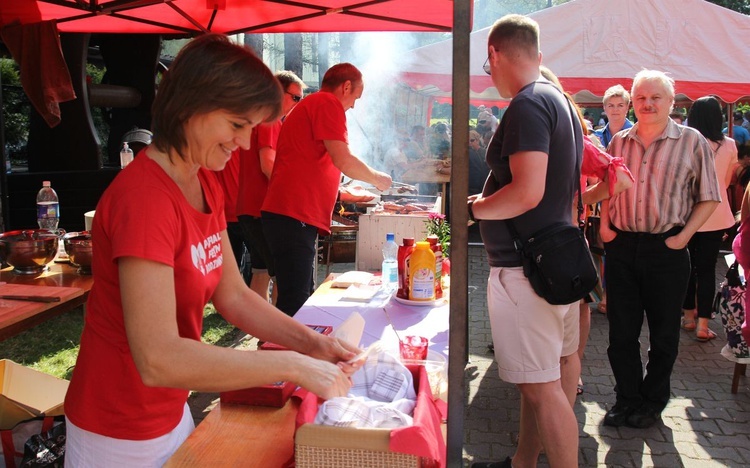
{"x":438,"y":249}
{"x":404,"y":253}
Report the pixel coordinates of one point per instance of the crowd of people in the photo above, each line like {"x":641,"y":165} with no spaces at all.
{"x":669,"y":185}
{"x":240,"y":161}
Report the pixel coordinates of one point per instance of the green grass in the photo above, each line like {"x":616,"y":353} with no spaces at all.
{"x":52,"y":347}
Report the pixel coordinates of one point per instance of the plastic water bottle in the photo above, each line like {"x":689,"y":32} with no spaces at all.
{"x":126,"y":155}
{"x":47,"y":207}
{"x":389,"y":271}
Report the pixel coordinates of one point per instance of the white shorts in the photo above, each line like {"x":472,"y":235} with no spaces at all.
{"x":85,"y":449}
{"x":529,"y":334}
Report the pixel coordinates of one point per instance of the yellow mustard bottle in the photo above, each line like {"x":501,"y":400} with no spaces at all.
{"x":422,"y":273}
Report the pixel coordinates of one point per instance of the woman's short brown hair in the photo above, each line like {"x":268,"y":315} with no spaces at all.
{"x":211,"y":73}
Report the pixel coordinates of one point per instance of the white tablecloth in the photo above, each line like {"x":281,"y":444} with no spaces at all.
{"x":428,"y":321}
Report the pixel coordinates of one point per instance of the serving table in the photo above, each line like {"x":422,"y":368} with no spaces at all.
{"x":240,"y":435}
{"x":57,"y":280}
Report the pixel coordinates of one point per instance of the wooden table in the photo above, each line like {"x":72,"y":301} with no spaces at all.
{"x":58,"y":279}
{"x":240,"y":435}
{"x":256,"y":436}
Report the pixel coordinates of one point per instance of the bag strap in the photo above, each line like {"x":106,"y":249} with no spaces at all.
{"x":517,"y":242}
{"x":9,"y":448}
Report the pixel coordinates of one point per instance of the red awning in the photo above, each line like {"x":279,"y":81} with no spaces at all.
{"x":232,"y":16}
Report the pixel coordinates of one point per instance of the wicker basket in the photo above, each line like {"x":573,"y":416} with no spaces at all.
{"x":324,"y":446}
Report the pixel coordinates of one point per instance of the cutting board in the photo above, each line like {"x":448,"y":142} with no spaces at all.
{"x":12,"y":312}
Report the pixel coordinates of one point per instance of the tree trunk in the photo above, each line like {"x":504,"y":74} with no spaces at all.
{"x":255,"y":42}
{"x":324,"y":40}
{"x":293,"y":53}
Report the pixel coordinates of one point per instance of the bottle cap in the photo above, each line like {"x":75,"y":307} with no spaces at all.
{"x":389,"y":237}
{"x":125,"y":146}
{"x":46,"y":183}
{"x":408,"y":241}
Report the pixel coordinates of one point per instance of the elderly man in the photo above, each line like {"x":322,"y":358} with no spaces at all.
{"x":533,"y":159}
{"x":616,"y":104}
{"x":312,"y":153}
{"x":648,"y":266}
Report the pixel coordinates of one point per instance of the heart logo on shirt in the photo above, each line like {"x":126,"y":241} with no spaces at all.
{"x":198,"y":253}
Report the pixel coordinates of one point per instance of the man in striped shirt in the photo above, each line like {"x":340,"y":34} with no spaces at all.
{"x":646,"y":230}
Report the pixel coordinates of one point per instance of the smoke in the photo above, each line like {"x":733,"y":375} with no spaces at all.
{"x":384,"y":111}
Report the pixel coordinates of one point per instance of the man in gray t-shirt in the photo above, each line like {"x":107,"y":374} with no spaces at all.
{"x":533,"y":157}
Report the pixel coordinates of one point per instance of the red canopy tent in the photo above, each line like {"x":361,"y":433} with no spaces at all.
{"x":232,"y":16}
{"x":193,"y":17}
{"x":593,"y":44}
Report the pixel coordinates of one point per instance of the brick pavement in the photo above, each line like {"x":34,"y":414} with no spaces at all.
{"x":704,"y":424}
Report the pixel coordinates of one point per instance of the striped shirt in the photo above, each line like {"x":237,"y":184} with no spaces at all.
{"x":673,"y":174}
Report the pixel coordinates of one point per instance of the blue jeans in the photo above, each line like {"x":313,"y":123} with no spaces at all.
{"x":644,"y":276}
{"x":292,"y":245}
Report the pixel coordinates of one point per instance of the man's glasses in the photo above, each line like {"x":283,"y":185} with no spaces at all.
{"x":486,"y":66}
{"x":295,"y":97}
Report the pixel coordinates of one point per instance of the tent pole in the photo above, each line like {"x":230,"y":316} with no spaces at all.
{"x":459,"y":189}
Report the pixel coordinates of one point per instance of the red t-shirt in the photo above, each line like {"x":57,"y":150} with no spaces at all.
{"x":305,"y":183}
{"x":142,"y":214}
{"x":229,"y":180}
{"x":253,"y":183}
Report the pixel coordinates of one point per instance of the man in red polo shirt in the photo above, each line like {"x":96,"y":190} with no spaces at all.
{"x":256,"y":165}
{"x":312,"y":153}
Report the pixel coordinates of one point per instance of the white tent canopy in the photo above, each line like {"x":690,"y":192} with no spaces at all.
{"x":594,"y":44}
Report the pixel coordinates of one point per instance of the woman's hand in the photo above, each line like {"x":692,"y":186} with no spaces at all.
{"x":323,"y":378}
{"x":337,"y":351}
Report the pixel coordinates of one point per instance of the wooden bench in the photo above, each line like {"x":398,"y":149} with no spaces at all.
{"x":58,"y":280}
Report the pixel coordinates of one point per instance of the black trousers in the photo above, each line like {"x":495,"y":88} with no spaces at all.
{"x":704,"y":249}
{"x":644,"y":276}
{"x":292,"y":244}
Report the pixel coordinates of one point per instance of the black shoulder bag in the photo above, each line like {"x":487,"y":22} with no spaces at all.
{"x":556,"y":259}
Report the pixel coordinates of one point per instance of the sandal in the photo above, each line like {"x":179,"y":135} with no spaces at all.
{"x":579,"y":388}
{"x":704,"y":334}
{"x":688,"y":325}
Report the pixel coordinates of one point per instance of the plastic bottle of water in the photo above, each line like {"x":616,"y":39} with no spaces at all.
{"x":47,"y":207}
{"x":126,"y":155}
{"x":389,"y":272}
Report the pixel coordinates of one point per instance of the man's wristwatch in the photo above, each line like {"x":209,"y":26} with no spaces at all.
{"x":471,"y":211}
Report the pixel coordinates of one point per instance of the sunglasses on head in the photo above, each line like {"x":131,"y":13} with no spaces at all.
{"x":295,"y":97}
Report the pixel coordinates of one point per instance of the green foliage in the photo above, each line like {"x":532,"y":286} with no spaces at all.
{"x":740,"y":6}
{"x":52,"y":347}
{"x":15,"y":108}
{"x":438,"y":226}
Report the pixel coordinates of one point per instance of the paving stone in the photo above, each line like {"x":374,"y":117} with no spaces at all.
{"x":703,"y":426}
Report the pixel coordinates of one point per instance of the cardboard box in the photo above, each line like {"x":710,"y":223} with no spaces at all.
{"x":268,"y":346}
{"x":275,"y":395}
{"x":26,"y":393}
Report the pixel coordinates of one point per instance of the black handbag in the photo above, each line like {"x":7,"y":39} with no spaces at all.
{"x":558,"y":264}
{"x":556,"y":259}
{"x":593,"y":221}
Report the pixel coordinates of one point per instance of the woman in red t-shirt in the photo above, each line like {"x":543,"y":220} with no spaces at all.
{"x":162,"y":253}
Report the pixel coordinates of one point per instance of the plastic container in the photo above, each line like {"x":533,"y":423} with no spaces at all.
{"x":404,"y":256}
{"x":422,"y":273}
{"x":438,"y":250}
{"x":47,"y":207}
{"x":126,"y":155}
{"x":389,"y":271}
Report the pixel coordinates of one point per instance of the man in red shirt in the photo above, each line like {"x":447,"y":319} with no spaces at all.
{"x":312,"y":153}
{"x":256,"y":165}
